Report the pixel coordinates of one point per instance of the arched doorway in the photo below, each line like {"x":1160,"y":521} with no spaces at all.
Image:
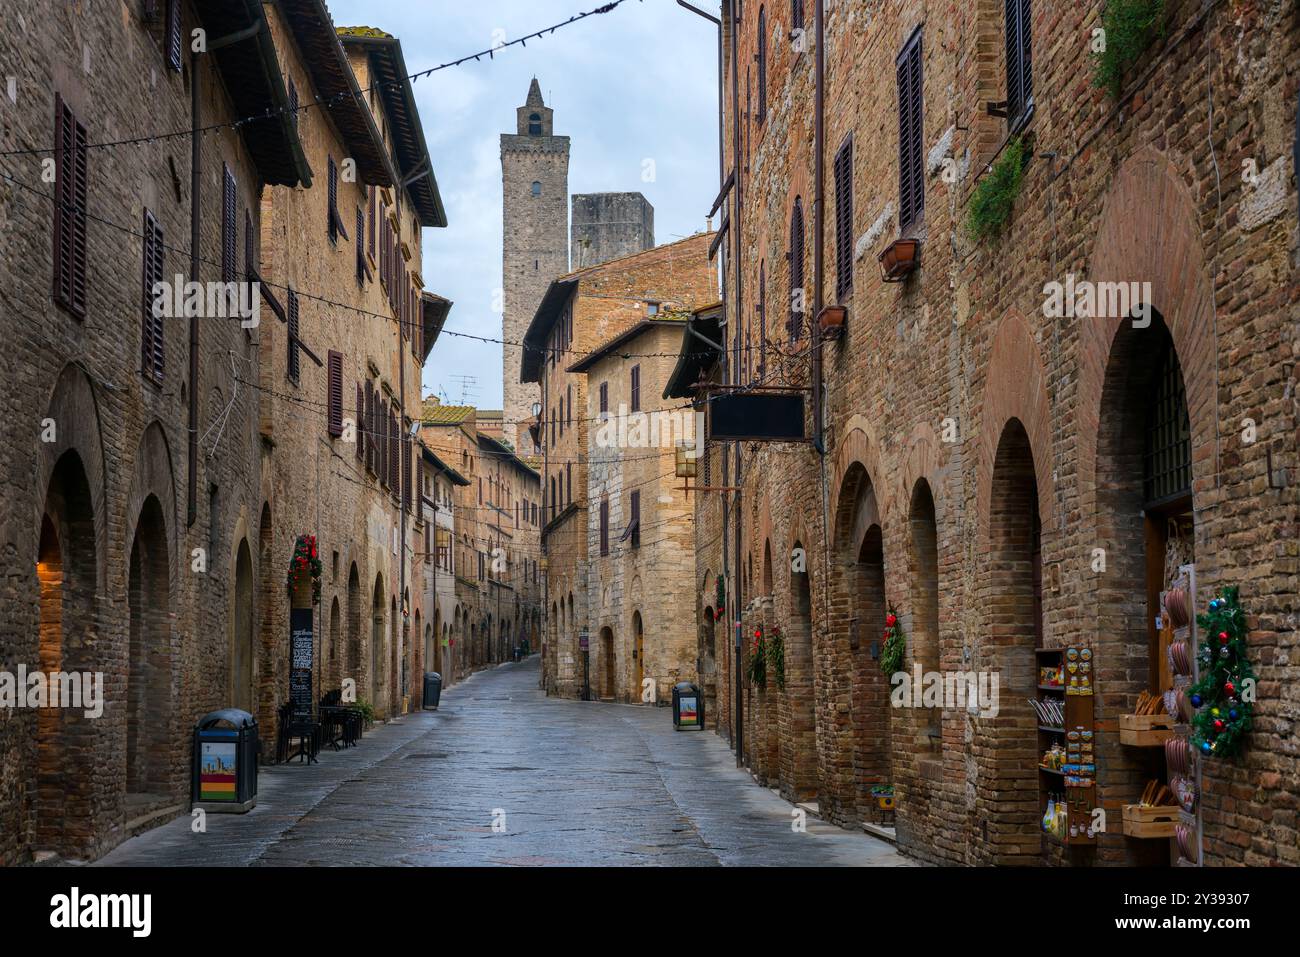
{"x":374,"y":683}
{"x":149,"y":675}
{"x":270,"y":591}
{"x":1146,"y":522}
{"x":923,"y":561}
{"x":638,"y":659}
{"x":608,"y":665}
{"x":799,"y":746}
{"x":241,"y":632}
{"x":331,"y":672}
{"x":859,"y":546}
{"x":1011,"y":832}
{"x":67,"y":574}
{"x":352,"y":668}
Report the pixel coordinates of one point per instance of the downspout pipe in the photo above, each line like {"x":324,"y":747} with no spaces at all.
{"x":196,"y":178}
{"x":737,"y":230}
{"x":819,"y":224}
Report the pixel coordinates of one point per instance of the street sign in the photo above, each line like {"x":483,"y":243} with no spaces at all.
{"x":583,"y":640}
{"x":757,"y":417}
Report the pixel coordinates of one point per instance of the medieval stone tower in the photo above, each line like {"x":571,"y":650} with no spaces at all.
{"x":535,"y":191}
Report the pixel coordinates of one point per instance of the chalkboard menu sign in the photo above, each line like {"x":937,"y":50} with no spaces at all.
{"x":301,"y":641}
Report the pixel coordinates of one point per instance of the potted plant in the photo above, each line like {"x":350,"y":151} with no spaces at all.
{"x":901,"y":257}
{"x":831,"y":321}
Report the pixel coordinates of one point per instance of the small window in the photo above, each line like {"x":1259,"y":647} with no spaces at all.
{"x":1020,"y":74}
{"x":604,"y":398}
{"x":534,"y":124}
{"x":537,"y":188}
{"x":652,"y":308}
{"x":635,"y":401}
{"x":794,"y":324}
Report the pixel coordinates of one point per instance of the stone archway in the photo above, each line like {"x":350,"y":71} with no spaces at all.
{"x":241,"y":694}
{"x":352,"y":666}
{"x":798,"y":754}
{"x":150,"y":768}
{"x":67,"y":572}
{"x":373,"y":672}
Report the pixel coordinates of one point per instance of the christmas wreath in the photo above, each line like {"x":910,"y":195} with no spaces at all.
{"x":306,"y":561}
{"x":1224,"y":698}
{"x":891,"y":657}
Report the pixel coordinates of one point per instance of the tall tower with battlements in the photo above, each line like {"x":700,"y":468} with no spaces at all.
{"x":535,"y":193}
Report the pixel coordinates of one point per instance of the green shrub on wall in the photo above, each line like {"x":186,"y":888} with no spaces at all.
{"x":990,"y":205}
{"x":1129,"y":27}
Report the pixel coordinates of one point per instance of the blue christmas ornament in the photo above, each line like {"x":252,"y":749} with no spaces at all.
{"x":1205,"y":746}
{"x":1196,"y":701}
{"x":1233,"y":714}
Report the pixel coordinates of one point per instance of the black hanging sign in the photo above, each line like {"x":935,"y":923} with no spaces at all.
{"x":301,"y":652}
{"x":757,"y":417}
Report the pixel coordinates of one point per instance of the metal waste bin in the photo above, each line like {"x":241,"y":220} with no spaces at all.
{"x":225,"y":762}
{"x":432,"y":690}
{"x":688,"y":707}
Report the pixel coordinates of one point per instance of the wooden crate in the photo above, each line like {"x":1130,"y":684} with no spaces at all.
{"x":1145,"y":730}
{"x":1143,"y":821}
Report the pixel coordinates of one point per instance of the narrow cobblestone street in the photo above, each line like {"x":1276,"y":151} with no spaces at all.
{"x":579,"y":784}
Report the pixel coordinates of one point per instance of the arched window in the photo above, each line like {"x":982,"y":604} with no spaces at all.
{"x":534,"y":124}
{"x":537,"y":188}
{"x":794,"y":325}
{"x":1167,"y":457}
{"x":762,"y":65}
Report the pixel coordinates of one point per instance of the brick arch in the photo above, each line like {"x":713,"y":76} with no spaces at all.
{"x":859,"y":446}
{"x":154,"y":475}
{"x":1016,"y":388}
{"x":75,"y":410}
{"x":921,"y":460}
{"x":1149,"y":232}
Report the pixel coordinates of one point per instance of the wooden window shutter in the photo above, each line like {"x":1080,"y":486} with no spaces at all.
{"x":371,"y":447}
{"x":636,"y":389}
{"x":394,"y":450}
{"x":604,"y":397}
{"x":604,"y":527}
{"x":794,"y":327}
{"x":334,"y":400}
{"x":293,"y":102}
{"x":796,"y":14}
{"x":370,"y":238}
{"x":1020,"y":78}
{"x":151,"y":328}
{"x":762,"y":319}
{"x":911,"y":162}
{"x":844,"y":219}
{"x":294,"y":359}
{"x":250,"y":246}
{"x":635,"y":524}
{"x":381,"y":438}
{"x":404,"y":303}
{"x":333,"y":200}
{"x":762,"y":65}
{"x":228,"y":209}
{"x":361,"y":251}
{"x":174,"y":34}
{"x":359,"y":426}
{"x":406,"y":472}
{"x":70,"y":188}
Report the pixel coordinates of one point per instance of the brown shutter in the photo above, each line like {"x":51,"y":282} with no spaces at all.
{"x":293,"y":102}
{"x":762,"y":65}
{"x":797,"y":295}
{"x":334,"y":400}
{"x":635,"y":523}
{"x":911,"y":165}
{"x":228,"y":203}
{"x":370,"y":239}
{"x":359,"y":428}
{"x":604,"y":527}
{"x":333,"y":200}
{"x":406,"y":471}
{"x":174,"y":34}
{"x":382,"y":435}
{"x":844,"y":219}
{"x":151,"y":326}
{"x":370,"y":429}
{"x":394,"y":451}
{"x":293,"y":336}
{"x":361,"y":250}
{"x":636,"y":389}
{"x":70,"y":189}
{"x":250,"y":246}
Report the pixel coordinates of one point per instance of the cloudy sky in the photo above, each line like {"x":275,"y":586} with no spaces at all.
{"x":637,"y":83}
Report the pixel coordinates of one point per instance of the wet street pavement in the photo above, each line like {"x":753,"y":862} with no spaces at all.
{"x":503,"y":775}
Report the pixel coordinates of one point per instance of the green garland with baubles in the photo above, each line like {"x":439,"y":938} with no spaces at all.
{"x":1224,"y":698}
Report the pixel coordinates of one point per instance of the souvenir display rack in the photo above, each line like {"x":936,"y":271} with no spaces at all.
{"x":1066,"y":688}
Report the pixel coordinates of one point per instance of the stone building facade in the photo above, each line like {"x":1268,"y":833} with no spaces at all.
{"x":129,"y":551}
{"x":535,"y":197}
{"x":336,"y":380}
{"x":985,"y":466}
{"x":579,"y":312}
{"x":436,"y":536}
{"x":494,"y":548}
{"x":640,"y":524}
{"x":609,"y":226}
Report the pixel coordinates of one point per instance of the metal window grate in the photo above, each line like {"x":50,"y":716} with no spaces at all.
{"x":1168,"y":453}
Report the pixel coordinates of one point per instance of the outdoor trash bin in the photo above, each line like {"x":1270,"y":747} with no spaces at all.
{"x":225,"y":762}
{"x":432,"y":690}
{"x":688,"y":706}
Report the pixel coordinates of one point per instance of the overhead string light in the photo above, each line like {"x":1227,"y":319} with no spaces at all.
{"x":333,"y":100}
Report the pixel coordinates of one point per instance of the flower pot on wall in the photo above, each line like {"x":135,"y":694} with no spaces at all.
{"x":901,"y":257}
{"x":831,"y":321}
